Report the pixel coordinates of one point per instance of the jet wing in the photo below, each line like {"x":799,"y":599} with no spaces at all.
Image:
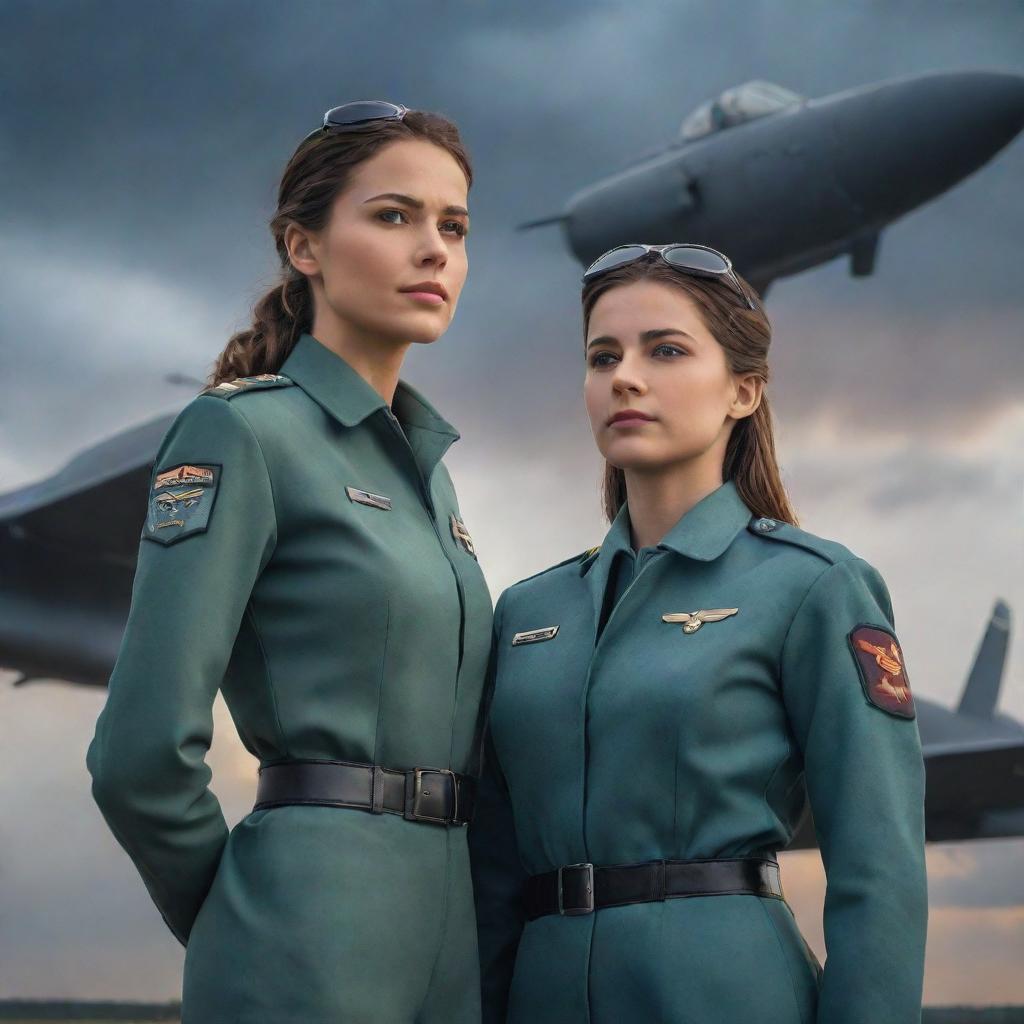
{"x":97,"y":502}
{"x":975,"y":790}
{"x":972,"y":791}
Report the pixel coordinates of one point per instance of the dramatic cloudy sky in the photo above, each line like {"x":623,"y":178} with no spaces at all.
{"x":139,"y":152}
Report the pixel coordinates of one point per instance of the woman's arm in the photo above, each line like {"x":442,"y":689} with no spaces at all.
{"x":846,"y":692}
{"x":498,"y":874}
{"x":209,"y":531}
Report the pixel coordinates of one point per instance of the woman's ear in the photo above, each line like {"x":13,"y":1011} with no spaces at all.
{"x":302,"y":249}
{"x":749,"y":389}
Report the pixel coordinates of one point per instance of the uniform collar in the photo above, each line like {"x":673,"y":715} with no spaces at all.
{"x":703,"y":533}
{"x":333,"y":384}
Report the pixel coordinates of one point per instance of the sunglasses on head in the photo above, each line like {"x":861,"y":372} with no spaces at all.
{"x":358,"y":113}
{"x":687,"y":257}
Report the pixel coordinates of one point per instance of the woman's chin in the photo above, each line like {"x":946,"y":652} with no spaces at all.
{"x":637,"y":456}
{"x":424,"y":330}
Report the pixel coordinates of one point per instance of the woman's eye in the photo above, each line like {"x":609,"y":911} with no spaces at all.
{"x":455,"y":227}
{"x":669,"y":350}
{"x":602,"y":359}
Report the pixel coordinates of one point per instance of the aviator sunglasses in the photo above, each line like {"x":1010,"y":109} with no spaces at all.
{"x":687,"y":257}
{"x":358,"y":113}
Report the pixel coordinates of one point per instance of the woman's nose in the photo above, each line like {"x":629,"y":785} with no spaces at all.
{"x":433,"y":249}
{"x":626,"y":378}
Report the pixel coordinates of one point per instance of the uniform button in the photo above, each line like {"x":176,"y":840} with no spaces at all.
{"x":766,"y":525}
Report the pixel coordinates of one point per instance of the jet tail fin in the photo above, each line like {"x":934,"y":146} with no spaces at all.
{"x":981,"y":691}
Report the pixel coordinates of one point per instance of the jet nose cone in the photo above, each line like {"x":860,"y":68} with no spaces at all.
{"x":904,"y":142}
{"x":986,"y":106}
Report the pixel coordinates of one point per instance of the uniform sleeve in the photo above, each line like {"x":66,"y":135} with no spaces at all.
{"x":498,"y":874}
{"x":210,"y":530}
{"x":847,"y":696}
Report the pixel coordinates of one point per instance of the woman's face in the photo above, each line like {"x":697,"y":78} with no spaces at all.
{"x":651,"y":357}
{"x":400,"y":222}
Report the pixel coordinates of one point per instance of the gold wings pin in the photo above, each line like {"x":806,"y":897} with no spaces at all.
{"x":692,"y":621}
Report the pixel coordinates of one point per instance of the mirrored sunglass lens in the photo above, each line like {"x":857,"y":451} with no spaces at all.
{"x":696,"y":259}
{"x":361,"y":110}
{"x":615,"y":258}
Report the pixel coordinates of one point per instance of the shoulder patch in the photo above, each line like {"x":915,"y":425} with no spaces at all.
{"x":774,"y":529}
{"x":181,"y":500}
{"x":230,"y":388}
{"x":883,"y":676}
{"x":558,"y":565}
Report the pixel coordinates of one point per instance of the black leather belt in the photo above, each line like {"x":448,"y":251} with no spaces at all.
{"x":583,"y":888}
{"x":436,"y":795}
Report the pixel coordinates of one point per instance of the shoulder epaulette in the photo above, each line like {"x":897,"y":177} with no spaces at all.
{"x":558,"y":565}
{"x":230,"y":388}
{"x":774,"y":529}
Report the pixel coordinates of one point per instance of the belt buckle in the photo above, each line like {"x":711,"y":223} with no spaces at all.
{"x":588,"y":907}
{"x":414,"y":800}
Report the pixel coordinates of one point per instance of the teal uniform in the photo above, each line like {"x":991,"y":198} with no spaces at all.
{"x":305,"y":553}
{"x":695,"y":738}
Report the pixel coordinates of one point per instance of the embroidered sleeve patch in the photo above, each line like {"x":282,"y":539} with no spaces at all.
{"x":181,"y":501}
{"x":883,"y":675}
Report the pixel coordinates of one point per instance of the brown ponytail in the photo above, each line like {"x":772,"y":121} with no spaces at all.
{"x":745,"y":335}
{"x":317,"y":172}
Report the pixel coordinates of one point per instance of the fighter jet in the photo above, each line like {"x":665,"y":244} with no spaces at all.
{"x":782,"y":183}
{"x":68,"y":547}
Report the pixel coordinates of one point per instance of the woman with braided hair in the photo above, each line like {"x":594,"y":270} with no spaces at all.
{"x":304,"y":552}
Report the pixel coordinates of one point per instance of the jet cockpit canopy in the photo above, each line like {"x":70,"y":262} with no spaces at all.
{"x":737,"y":105}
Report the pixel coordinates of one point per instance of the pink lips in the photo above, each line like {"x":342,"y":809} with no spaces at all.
{"x":629,"y":418}
{"x":431,"y":298}
{"x":431,"y":292}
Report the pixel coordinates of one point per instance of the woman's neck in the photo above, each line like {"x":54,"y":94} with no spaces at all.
{"x":658,"y":500}
{"x":376,"y":360}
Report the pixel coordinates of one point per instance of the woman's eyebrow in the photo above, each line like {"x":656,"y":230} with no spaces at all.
{"x":645,"y":336}
{"x":416,"y":204}
{"x":660,"y":332}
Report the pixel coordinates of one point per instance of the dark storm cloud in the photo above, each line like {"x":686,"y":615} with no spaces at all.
{"x":912,"y":479}
{"x":926,"y":479}
{"x":154,"y":143}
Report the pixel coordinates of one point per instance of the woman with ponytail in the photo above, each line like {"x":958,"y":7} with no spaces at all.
{"x":304,"y":552}
{"x":663,"y":704}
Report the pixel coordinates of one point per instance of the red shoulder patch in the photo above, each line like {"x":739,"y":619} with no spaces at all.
{"x":883,"y":675}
